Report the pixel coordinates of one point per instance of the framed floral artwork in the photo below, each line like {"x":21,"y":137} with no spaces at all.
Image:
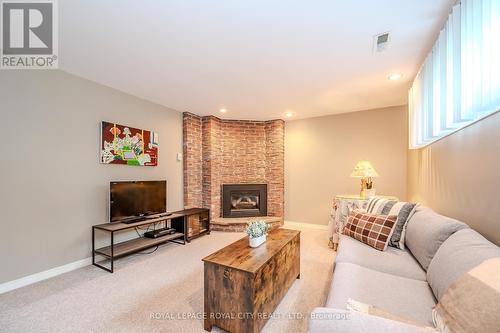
{"x":122,"y":144}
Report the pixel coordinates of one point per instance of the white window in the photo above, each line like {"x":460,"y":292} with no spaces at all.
{"x":459,"y":81}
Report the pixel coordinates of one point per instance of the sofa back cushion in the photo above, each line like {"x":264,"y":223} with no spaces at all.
{"x":461,"y":252}
{"x":426,"y":231}
{"x":371,"y":229}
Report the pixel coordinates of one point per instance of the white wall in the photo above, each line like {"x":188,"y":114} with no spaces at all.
{"x":52,"y":186}
{"x":456,"y":176}
{"x":320,"y":154}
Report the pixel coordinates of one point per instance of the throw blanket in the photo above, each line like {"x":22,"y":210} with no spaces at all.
{"x":472,"y":302}
{"x":354,"y":305}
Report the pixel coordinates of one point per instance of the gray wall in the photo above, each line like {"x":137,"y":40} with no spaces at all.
{"x":457,"y":176}
{"x":53,"y":187}
{"x":320,"y":154}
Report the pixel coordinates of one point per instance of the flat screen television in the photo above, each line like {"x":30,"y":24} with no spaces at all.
{"x":130,"y":200}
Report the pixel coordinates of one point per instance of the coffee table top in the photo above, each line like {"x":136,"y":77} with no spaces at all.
{"x":239,"y":255}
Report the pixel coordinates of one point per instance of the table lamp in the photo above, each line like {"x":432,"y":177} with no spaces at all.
{"x":366,"y":172}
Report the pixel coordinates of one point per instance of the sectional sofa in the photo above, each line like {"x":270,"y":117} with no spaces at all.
{"x":407,"y":283}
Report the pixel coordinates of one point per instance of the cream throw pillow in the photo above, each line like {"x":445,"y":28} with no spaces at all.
{"x":472,"y":302}
{"x":376,"y":311}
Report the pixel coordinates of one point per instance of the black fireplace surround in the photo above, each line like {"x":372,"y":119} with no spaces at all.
{"x":244,"y":200}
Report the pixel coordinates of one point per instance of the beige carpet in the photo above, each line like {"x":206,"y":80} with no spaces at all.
{"x":160,"y":292}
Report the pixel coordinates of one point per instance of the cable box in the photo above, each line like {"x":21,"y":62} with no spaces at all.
{"x":159,"y":233}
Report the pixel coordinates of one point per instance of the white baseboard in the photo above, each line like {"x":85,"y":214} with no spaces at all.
{"x":30,"y":279}
{"x":307,"y":225}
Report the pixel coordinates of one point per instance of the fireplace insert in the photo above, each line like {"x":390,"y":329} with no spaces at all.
{"x":244,"y":200}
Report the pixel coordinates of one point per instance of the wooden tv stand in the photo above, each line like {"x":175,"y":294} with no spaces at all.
{"x":189,"y":224}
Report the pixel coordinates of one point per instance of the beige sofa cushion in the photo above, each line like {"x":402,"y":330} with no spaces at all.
{"x":426,"y":231}
{"x":326,"y":320}
{"x":392,"y":260}
{"x":461,"y":252}
{"x":404,"y":297}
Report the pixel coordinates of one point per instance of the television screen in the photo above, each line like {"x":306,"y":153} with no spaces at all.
{"x":137,"y":198}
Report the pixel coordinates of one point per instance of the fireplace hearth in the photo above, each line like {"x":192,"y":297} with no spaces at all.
{"x":244,"y":200}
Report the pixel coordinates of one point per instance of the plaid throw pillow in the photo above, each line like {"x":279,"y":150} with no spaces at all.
{"x":404,"y":210}
{"x":371,"y":229}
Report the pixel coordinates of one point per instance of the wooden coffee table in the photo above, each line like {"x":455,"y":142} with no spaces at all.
{"x":244,"y":285}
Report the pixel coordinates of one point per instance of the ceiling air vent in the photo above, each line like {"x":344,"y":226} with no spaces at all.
{"x":380,"y":42}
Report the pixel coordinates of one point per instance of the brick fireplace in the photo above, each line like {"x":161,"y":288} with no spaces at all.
{"x":221,"y":152}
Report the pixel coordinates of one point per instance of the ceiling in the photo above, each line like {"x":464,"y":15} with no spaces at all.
{"x":257,"y":58}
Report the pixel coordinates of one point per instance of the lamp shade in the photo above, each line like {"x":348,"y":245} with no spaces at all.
{"x":364,"y":169}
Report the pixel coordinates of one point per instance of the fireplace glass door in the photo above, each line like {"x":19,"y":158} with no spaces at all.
{"x":244,"y":200}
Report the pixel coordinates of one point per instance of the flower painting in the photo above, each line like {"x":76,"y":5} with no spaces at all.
{"x":127,"y":145}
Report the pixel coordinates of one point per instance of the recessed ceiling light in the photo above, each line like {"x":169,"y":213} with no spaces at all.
{"x":289,"y":114}
{"x":395,"y":76}
{"x":222,"y":110}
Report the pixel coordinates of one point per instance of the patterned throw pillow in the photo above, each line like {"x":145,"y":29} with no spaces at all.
{"x":371,"y":229}
{"x":376,"y":205}
{"x":403,"y":210}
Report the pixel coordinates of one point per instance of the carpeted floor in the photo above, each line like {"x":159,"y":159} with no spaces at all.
{"x":160,"y":292}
